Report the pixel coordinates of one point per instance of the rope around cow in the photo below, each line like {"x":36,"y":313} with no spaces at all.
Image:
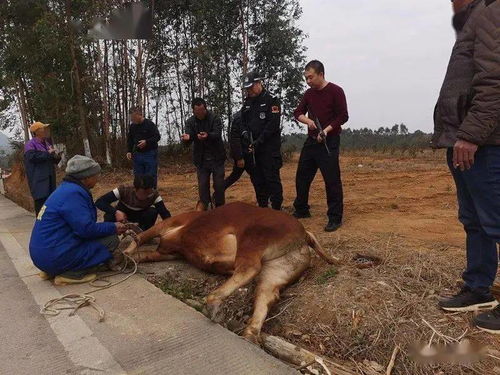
{"x":75,"y":301}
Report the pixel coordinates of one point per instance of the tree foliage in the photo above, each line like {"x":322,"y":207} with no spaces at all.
{"x":51,"y":71}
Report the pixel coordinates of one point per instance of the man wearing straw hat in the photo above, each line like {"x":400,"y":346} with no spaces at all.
{"x":40,"y":159}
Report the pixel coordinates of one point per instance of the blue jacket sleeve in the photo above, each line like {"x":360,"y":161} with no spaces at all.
{"x":77,"y":214}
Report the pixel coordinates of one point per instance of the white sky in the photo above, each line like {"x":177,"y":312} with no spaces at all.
{"x":390,"y":56}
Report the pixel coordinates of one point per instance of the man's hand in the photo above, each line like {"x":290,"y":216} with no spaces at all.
{"x":251,"y":148}
{"x":202,"y":136}
{"x":141,"y":144}
{"x":185,"y":137}
{"x":311,"y":125}
{"x":322,"y":136}
{"x":120,"y":228}
{"x":129,"y":155}
{"x":120,"y":216}
{"x":463,"y":154}
{"x":240,"y":163}
{"x":51,"y":150}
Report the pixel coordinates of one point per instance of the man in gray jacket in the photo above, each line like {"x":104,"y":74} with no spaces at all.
{"x":467,"y":123}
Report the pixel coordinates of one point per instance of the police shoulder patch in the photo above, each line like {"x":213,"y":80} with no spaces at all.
{"x":275,"y":109}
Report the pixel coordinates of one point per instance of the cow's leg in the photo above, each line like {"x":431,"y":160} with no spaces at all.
{"x":153,"y":256}
{"x":275,"y":275}
{"x":244,"y":273}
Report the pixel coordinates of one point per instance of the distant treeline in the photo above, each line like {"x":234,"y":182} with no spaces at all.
{"x":383,"y":139}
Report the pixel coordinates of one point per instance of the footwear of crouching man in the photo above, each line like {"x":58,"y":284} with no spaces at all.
{"x":489,"y":321}
{"x":44,"y":275}
{"x":468,"y":300}
{"x":74,"y":277}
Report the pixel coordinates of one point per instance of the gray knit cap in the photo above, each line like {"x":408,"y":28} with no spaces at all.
{"x":81,"y":167}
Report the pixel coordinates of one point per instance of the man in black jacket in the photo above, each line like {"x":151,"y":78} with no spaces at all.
{"x":204,"y":129}
{"x":142,"y":144}
{"x":261,"y":115}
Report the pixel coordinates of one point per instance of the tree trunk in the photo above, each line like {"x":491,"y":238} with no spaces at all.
{"x":104,"y":101}
{"x":244,"y":39}
{"x":78,"y":87}
{"x":139,"y":79}
{"x":21,"y":101}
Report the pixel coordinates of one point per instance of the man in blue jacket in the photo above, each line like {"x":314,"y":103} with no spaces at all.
{"x":67,"y":242}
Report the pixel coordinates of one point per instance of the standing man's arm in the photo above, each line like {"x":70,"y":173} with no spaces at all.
{"x":130,"y":143}
{"x":155,"y":134}
{"x":483,"y":117}
{"x":189,"y":132}
{"x":340,"y":110}
{"x":300,"y":114}
{"x":235,"y":139}
{"x":216,"y":132}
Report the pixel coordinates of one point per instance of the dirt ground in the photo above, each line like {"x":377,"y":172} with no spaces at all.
{"x":398,"y":208}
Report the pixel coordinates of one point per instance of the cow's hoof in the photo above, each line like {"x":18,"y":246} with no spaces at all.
{"x":253,"y":337}
{"x":212,"y":311}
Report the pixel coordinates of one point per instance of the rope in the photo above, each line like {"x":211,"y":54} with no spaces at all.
{"x":74,"y":302}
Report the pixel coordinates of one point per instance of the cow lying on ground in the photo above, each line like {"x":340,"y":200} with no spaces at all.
{"x":240,"y":240}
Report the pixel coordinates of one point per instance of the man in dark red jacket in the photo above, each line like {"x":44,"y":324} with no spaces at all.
{"x":326,"y":109}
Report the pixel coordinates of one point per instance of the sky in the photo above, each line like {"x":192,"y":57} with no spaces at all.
{"x":389,"y":56}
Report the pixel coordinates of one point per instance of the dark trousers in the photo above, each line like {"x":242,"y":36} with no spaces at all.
{"x":478,"y":193}
{"x":235,"y":175}
{"x":146,"y":163}
{"x":216,"y":170}
{"x":145,"y":218}
{"x":266,"y":180}
{"x":39,"y":204}
{"x":313,"y":156}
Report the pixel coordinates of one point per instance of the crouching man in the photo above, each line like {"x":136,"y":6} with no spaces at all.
{"x":66,"y":241}
{"x":140,"y":203}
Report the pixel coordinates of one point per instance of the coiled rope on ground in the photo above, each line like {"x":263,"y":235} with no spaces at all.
{"x":75,"y":301}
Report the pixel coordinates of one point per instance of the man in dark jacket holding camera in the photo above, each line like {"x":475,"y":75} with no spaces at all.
{"x":204,"y":130}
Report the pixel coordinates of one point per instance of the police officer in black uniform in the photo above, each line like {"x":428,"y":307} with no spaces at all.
{"x":261,"y":131}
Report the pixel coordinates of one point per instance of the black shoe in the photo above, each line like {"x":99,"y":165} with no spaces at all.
{"x":489,"y":321}
{"x":468,"y":300}
{"x":301,"y":215}
{"x":332,"y":226}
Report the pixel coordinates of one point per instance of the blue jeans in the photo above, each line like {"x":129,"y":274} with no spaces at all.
{"x":478,"y":192}
{"x":146,"y":163}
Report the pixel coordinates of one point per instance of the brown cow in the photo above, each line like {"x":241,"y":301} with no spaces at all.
{"x":241,"y":240}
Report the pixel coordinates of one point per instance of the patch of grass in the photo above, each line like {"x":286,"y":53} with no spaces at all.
{"x":182,"y":291}
{"x":326,"y":276}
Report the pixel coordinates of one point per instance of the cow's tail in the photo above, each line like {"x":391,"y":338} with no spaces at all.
{"x":312,"y":241}
{"x":141,"y":238}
